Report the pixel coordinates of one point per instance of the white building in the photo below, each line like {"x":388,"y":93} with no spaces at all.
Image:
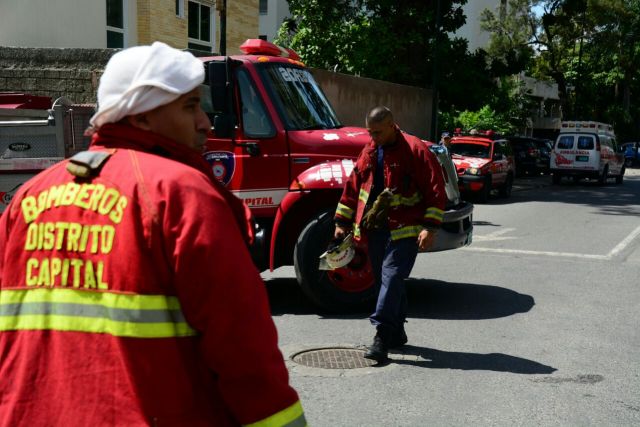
{"x":272,"y":14}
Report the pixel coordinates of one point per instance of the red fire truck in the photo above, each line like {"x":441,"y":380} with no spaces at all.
{"x":277,"y":144}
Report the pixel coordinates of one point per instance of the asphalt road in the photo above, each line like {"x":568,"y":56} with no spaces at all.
{"x":534,"y":324}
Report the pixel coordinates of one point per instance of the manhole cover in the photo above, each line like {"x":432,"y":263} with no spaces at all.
{"x":333,"y":358}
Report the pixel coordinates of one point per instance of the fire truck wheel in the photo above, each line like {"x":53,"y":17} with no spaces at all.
{"x":347,"y":289}
{"x":507,"y":187}
{"x":483,"y":195}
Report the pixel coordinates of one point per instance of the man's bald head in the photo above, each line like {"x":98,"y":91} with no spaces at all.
{"x":379,"y":115}
{"x":381,"y":126}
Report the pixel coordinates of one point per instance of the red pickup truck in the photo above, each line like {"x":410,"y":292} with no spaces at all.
{"x":277,"y":144}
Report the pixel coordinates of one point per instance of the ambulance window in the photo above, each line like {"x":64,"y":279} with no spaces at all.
{"x":565,"y":142}
{"x":585,"y":143}
{"x":255,"y":118}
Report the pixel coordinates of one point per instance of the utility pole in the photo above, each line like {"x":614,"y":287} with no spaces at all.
{"x":434,"y":82}
{"x":221,"y":5}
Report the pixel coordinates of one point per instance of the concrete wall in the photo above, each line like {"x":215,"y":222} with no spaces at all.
{"x":352,"y":98}
{"x":72,"y":73}
{"x":75,"y":73}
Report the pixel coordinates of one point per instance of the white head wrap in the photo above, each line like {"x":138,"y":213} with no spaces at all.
{"x":142,"y":78}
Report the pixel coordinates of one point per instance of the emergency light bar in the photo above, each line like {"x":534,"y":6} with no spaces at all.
{"x":577,"y":126}
{"x":263,"y":47}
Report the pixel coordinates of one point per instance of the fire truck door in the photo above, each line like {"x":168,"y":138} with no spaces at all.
{"x":254,"y":164}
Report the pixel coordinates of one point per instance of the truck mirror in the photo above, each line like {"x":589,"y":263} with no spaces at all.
{"x":218,"y":81}
{"x":223,"y":125}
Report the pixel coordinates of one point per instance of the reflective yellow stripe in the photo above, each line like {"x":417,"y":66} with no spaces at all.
{"x":434,"y":213}
{"x":293,"y":416}
{"x":363,"y":196}
{"x":345,"y":211}
{"x":356,"y":230}
{"x":399,"y":200}
{"x":405,"y":232}
{"x":126,"y":315}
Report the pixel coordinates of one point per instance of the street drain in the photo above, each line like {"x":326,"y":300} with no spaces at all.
{"x":333,"y":358}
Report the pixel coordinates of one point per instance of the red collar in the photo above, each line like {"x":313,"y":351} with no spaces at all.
{"x":115,"y":135}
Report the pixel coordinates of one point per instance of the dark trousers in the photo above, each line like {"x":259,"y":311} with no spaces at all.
{"x":391,"y":262}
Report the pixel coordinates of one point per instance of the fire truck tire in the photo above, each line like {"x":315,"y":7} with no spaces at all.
{"x":321,"y":286}
{"x":507,"y":187}
{"x":483,"y":195}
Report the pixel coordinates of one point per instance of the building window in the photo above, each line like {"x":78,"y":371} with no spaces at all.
{"x":180,"y":8}
{"x":264,"y":7}
{"x":199,"y":27}
{"x":115,"y":23}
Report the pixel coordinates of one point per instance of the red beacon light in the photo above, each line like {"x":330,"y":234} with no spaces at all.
{"x":263,"y":47}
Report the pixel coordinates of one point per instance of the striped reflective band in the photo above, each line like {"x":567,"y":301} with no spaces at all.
{"x":122,"y":315}
{"x":293,"y":416}
{"x":363,"y":196}
{"x":399,"y":200}
{"x":344,"y":211}
{"x":434,"y":214}
{"x":356,"y":230}
{"x":404,"y":232}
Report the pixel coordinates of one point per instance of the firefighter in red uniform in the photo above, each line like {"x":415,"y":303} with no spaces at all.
{"x":405,"y":174}
{"x":127,"y":293}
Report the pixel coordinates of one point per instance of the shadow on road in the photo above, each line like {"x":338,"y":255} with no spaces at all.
{"x":609,"y":199}
{"x":434,"y":299}
{"x":428,"y":299}
{"x":437,"y":359}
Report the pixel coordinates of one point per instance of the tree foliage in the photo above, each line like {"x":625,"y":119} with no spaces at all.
{"x":590,"y":48}
{"x":393,"y":40}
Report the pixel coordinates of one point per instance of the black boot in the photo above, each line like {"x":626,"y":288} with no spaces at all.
{"x":378,"y":350}
{"x":398,"y":339}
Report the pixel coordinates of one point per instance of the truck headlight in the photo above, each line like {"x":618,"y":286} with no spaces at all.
{"x":473,"y":171}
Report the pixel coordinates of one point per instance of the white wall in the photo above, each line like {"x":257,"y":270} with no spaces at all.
{"x":471,"y":29}
{"x":278,"y":10}
{"x":59,"y":23}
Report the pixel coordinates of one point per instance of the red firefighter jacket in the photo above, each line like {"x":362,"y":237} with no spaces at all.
{"x":130,"y":298}
{"x":414,"y":176}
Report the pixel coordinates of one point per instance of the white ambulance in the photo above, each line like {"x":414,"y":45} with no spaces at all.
{"x":586,"y":149}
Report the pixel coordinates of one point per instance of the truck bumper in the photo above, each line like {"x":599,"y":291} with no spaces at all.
{"x":457,"y":228}
{"x":471,"y":183}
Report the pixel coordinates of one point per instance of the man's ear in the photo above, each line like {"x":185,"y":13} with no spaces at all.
{"x":140,"y":121}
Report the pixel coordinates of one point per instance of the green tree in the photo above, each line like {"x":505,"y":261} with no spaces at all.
{"x":510,"y":27}
{"x":392,"y":40}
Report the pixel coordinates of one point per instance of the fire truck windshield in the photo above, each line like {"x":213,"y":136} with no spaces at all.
{"x":298,"y":98}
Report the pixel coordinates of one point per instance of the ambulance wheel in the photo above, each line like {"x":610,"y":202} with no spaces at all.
{"x":347,"y":289}
{"x":602,"y":179}
{"x":620,"y":178}
{"x":628,"y":162}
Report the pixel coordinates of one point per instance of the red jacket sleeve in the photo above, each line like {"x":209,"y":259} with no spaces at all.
{"x":432,"y":186}
{"x":223,"y":297}
{"x":346,"y":210}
